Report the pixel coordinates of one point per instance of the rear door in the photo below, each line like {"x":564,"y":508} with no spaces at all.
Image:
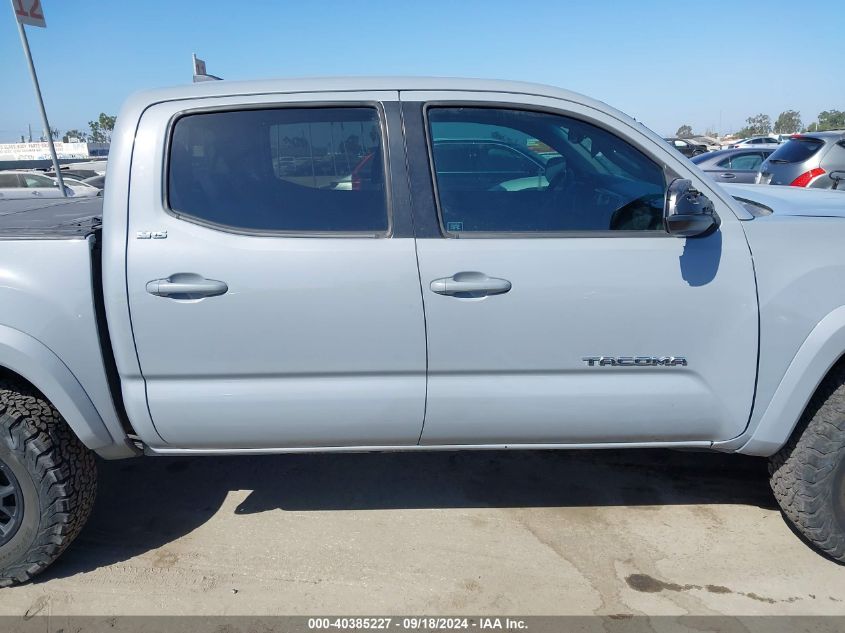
{"x":740,"y":167}
{"x":273,"y":286}
{"x":558,"y":309}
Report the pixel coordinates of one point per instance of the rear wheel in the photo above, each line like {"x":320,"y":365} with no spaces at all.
{"x":808,"y":474}
{"x":11,"y":504}
{"x":47,"y":483}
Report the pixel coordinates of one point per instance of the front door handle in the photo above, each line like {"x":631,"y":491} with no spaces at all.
{"x":186,"y":286}
{"x":470,"y":285}
{"x":727,"y":174}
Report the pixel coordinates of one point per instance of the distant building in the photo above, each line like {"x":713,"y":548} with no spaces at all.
{"x":41,"y":151}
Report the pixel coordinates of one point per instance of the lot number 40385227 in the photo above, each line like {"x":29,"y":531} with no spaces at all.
{"x":29,"y":12}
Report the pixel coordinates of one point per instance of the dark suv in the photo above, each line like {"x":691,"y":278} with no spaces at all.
{"x":813,"y":160}
{"x":686,"y":147}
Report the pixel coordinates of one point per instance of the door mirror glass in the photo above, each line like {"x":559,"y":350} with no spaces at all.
{"x":688,"y":212}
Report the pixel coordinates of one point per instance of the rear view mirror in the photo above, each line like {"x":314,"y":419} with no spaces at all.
{"x":688,"y":212}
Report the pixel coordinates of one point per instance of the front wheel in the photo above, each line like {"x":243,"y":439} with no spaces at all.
{"x":808,"y":474}
{"x":48,"y":481}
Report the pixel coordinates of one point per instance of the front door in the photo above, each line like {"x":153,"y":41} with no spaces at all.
{"x":271,"y":301}
{"x":558,"y":309}
{"x":39,"y":186}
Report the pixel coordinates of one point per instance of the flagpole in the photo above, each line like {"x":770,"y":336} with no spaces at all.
{"x":49,"y":132}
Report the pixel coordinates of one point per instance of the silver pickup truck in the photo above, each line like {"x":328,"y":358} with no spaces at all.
{"x":411,"y":264}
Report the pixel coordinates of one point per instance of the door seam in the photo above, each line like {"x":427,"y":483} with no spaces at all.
{"x":417,"y":256}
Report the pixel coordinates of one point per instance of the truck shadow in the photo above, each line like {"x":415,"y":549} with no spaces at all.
{"x":149,"y":502}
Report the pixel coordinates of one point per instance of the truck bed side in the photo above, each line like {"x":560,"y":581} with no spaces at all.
{"x":48,"y":322}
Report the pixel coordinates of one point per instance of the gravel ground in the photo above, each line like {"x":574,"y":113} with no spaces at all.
{"x":591,"y":532}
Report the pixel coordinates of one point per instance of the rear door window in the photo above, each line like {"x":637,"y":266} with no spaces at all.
{"x":797,"y":150}
{"x":318,"y":169}
{"x":750,"y":161}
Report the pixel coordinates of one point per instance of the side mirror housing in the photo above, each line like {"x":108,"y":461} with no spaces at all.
{"x":688,"y":212}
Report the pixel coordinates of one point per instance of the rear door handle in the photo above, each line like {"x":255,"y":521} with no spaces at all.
{"x":727,"y":175}
{"x":186,"y":286}
{"x":469,"y":285}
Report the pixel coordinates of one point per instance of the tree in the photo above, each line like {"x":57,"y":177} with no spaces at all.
{"x":107,"y":123}
{"x":77,"y":134}
{"x":684,"y":131}
{"x":96,"y":133}
{"x":788,"y":122}
{"x":54,"y":132}
{"x":756,"y":125}
{"x":102,"y":128}
{"x":829,"y":120}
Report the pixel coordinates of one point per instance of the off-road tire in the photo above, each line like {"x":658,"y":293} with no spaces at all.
{"x":808,"y":474}
{"x":56,"y":476}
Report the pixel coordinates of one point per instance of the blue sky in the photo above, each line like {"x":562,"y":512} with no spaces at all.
{"x":664,"y":62}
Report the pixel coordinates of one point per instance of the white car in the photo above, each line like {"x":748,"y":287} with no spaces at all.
{"x":756,"y":142}
{"x":29,"y":184}
{"x":80,"y":189}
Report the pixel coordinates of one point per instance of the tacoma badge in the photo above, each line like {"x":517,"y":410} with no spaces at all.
{"x":635,"y":361}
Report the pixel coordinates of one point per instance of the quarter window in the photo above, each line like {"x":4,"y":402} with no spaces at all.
{"x":285,"y":169}
{"x":550,"y":173}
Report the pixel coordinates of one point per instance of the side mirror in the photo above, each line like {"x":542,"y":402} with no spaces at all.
{"x":688,"y":212}
{"x":837,"y":177}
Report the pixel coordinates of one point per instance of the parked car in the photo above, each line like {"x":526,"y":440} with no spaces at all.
{"x":474,"y":163}
{"x":79,"y":174}
{"x":96,"y":181}
{"x":211,"y":303}
{"x":756,"y":142}
{"x":29,"y":184}
{"x":806,"y":160}
{"x":732,"y":165}
{"x":686,"y":146}
{"x":97,"y":165}
{"x":80,"y":189}
{"x":709,"y":142}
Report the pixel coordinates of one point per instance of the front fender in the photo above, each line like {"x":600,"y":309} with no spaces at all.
{"x":35,"y":362}
{"x":818,"y":353}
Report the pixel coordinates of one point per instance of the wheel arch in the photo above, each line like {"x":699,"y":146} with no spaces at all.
{"x":821,"y":352}
{"x":23,"y":357}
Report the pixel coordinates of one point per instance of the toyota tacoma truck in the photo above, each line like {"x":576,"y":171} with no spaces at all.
{"x":411,"y":264}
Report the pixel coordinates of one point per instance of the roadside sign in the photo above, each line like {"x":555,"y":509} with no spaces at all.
{"x":29,"y":12}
